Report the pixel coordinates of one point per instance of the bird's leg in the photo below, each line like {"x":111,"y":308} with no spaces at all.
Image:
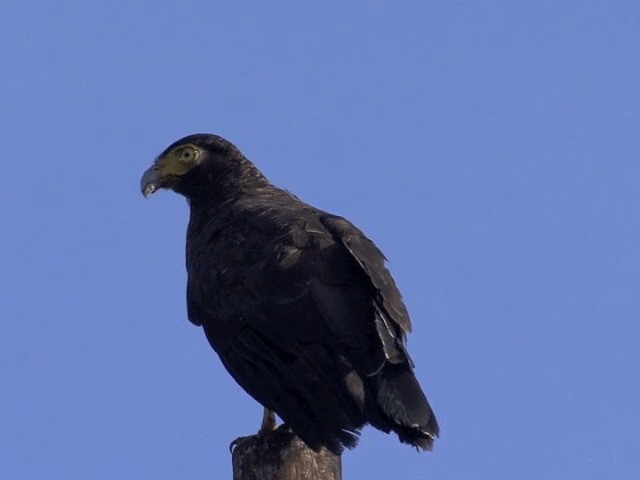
{"x":268,"y":421}
{"x":268,"y":425}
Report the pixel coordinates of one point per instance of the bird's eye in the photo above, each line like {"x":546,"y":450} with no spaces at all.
{"x":187,"y":155}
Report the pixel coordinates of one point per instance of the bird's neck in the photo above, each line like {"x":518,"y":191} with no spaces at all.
{"x":217,"y":186}
{"x":216,"y":190}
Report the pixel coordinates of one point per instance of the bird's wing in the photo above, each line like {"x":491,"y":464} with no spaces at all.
{"x":395,"y":388}
{"x":389,"y":312}
{"x":325,"y":281}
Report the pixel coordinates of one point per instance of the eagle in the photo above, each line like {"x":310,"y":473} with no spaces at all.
{"x":297,"y":302}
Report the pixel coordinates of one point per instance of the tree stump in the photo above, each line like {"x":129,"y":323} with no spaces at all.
{"x":281,"y":455}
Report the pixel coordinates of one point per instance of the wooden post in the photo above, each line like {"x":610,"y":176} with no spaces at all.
{"x":281,"y":455}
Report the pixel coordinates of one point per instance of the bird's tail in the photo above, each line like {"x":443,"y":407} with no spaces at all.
{"x":404,"y":406}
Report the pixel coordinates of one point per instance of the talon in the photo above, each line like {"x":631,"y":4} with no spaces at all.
{"x":234,"y":444}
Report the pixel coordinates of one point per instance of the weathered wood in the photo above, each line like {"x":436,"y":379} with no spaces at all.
{"x":280,"y":455}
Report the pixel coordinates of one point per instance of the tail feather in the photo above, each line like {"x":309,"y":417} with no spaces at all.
{"x":402,"y":401}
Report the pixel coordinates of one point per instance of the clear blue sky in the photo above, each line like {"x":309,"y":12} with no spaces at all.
{"x":491,"y":149}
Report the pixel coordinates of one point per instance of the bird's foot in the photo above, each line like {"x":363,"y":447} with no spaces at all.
{"x":233,"y":445}
{"x":268,"y":425}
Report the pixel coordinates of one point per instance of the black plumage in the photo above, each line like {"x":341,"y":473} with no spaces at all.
{"x":297,"y":302}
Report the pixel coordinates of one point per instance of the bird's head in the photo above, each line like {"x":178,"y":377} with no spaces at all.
{"x":199,"y":165}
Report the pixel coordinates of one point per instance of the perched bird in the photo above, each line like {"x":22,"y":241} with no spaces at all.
{"x":297,"y":302}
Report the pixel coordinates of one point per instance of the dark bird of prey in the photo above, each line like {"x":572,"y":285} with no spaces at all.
{"x":297,"y":302}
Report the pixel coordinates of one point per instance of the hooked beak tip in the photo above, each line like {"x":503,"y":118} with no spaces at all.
{"x":151,"y":181}
{"x":149,"y":189}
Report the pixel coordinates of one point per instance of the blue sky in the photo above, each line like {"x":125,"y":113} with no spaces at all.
{"x":491,"y":149}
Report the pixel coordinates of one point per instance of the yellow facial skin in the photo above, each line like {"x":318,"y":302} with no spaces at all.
{"x":170,"y":167}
